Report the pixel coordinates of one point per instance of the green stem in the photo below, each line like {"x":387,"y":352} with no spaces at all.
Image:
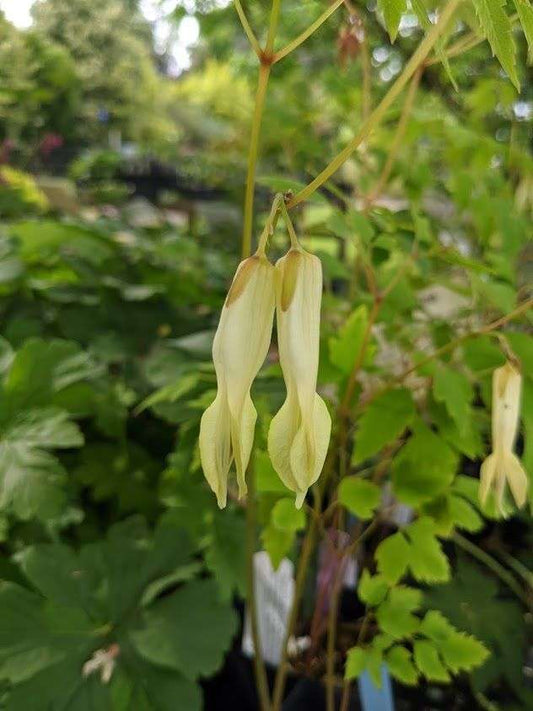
{"x":492,"y":564}
{"x":375,"y":117}
{"x":247,"y":28}
{"x":301,"y":576}
{"x":259,"y":665}
{"x":264,"y":75}
{"x":273,"y":26}
{"x":398,"y":139}
{"x":308,"y":32}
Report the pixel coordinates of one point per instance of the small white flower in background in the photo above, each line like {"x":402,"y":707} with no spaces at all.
{"x":103,"y":660}
{"x":239,"y":349}
{"x":299,"y":434}
{"x":503,"y":466}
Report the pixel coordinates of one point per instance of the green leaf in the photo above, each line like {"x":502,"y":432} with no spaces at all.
{"x":372,"y":589}
{"x":497,"y":28}
{"x":435,"y":626}
{"x":427,"y":561}
{"x":424,"y":467}
{"x":392,"y":13}
{"x":401,"y":666}
{"x":188,"y":631}
{"x":35,"y":634}
{"x":394,"y":615}
{"x":359,"y":496}
{"x":525,"y":13}
{"x":453,"y":389}
{"x":383,"y":422}
{"x":462,"y":652}
{"x":226,"y":556}
{"x":286,"y":517}
{"x":392,"y":557}
{"x":355,"y":663}
{"x":428,"y":662}
{"x":277,"y":543}
{"x":31,"y":478}
{"x":345,"y":348}
{"x":464,"y":515}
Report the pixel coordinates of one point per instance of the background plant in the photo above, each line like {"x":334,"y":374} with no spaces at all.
{"x":424,"y":236}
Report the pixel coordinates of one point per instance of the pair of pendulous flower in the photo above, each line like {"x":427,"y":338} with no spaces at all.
{"x":299,"y":434}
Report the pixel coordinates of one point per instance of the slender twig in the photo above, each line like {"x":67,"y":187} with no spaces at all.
{"x":417,"y":59}
{"x":450,"y":346}
{"x":308,"y":32}
{"x":493,"y":565}
{"x":366,"y":67}
{"x":259,"y":664}
{"x":264,"y":75}
{"x":352,"y":379}
{"x":301,"y":576}
{"x":347,"y":682}
{"x":273,"y":26}
{"x":397,"y":140}
{"x":247,"y":28}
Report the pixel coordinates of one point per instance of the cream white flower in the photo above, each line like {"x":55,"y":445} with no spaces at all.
{"x":503,"y":466}
{"x":299,"y":434}
{"x":239,"y":350}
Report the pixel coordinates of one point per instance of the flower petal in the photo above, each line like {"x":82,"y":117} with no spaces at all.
{"x":517,"y":479}
{"x":215,"y":446}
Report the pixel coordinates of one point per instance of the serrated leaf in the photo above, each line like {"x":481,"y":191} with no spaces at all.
{"x":462,"y":652}
{"x":392,"y":14}
{"x":372,"y":589}
{"x":355,"y":663}
{"x":401,"y":666}
{"x":188,"y":631}
{"x":424,"y":467}
{"x":453,"y":389}
{"x":383,"y":422}
{"x":427,"y":561}
{"x":394,"y":615}
{"x":435,"y":626}
{"x":525,"y":13}
{"x":427,"y":660}
{"x":464,"y":515}
{"x":392,"y":557}
{"x":359,"y":496}
{"x":497,"y":28}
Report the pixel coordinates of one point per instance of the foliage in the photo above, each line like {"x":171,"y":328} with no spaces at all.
{"x":19,"y":194}
{"x":115,"y":556}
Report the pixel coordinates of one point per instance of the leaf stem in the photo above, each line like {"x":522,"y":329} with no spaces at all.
{"x":308,"y":32}
{"x":301,"y":576}
{"x":398,"y":139}
{"x":492,"y":564}
{"x":272,"y":26}
{"x":259,"y":665}
{"x":417,"y":59}
{"x":247,"y":28}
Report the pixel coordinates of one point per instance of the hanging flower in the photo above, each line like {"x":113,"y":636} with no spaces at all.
{"x":299,"y":434}
{"x":239,"y":350}
{"x":503,"y":465}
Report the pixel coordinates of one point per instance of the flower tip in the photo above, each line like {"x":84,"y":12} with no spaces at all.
{"x":300,"y":498}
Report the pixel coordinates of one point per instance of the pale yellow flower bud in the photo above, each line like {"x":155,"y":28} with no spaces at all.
{"x":299,"y":434}
{"x":503,"y":466}
{"x":239,"y":349}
